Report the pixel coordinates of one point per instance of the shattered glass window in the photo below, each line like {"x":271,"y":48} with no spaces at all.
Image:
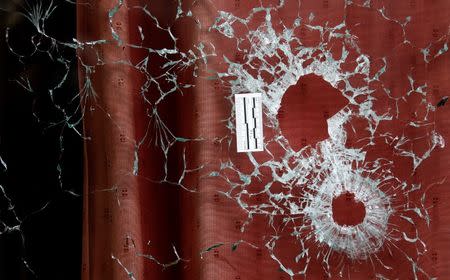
{"x":231,"y":139}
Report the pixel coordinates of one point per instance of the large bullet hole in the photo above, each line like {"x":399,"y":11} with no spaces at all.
{"x":305,"y":108}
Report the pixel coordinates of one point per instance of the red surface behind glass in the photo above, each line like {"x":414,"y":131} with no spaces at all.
{"x":126,"y":215}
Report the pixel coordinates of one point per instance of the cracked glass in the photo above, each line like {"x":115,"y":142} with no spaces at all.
{"x":352,"y":179}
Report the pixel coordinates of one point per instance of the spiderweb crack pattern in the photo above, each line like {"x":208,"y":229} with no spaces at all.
{"x":298,"y":186}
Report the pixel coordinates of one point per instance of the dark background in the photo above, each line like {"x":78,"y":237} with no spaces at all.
{"x":48,"y":238}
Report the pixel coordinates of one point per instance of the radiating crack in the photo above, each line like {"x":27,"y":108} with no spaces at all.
{"x":298,"y":186}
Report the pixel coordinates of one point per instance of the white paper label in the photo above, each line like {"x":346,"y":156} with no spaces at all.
{"x":249,"y":129}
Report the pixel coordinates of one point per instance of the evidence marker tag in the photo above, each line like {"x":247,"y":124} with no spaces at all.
{"x":249,"y":129}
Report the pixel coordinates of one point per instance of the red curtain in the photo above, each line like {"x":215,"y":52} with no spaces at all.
{"x":141,"y":222}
